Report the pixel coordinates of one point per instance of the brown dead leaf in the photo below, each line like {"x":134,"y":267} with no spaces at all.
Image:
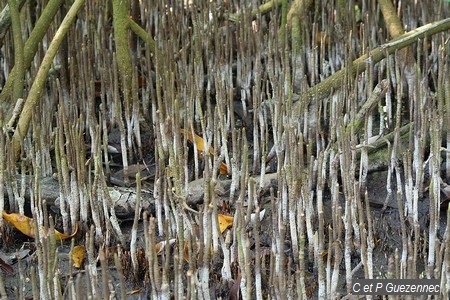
{"x":159,"y":247}
{"x":200,"y":143}
{"x":185,"y":252}
{"x":78,"y":256}
{"x":235,"y":288}
{"x":311,"y":289}
{"x":26,"y":225}
{"x":196,"y":246}
{"x":224,"y":222}
{"x":6,"y":268}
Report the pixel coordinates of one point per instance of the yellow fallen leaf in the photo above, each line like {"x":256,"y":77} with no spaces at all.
{"x":21,"y":222}
{"x":133,"y":292}
{"x":62,"y":236}
{"x":78,"y":256}
{"x":200,"y":143}
{"x":26,"y":225}
{"x":224,"y":222}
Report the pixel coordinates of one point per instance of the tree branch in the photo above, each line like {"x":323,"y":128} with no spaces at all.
{"x":38,"y":84}
{"x":335,"y":81}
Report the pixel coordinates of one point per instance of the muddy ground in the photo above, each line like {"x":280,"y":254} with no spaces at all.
{"x":385,"y":216}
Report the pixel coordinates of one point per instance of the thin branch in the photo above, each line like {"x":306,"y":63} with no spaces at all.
{"x":335,"y":81}
{"x":18,"y":50}
{"x":30,"y":49}
{"x":38,"y":84}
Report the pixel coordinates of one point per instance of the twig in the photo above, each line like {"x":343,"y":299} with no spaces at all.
{"x":334,"y":82}
{"x":369,"y":105}
{"x":38,"y":84}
